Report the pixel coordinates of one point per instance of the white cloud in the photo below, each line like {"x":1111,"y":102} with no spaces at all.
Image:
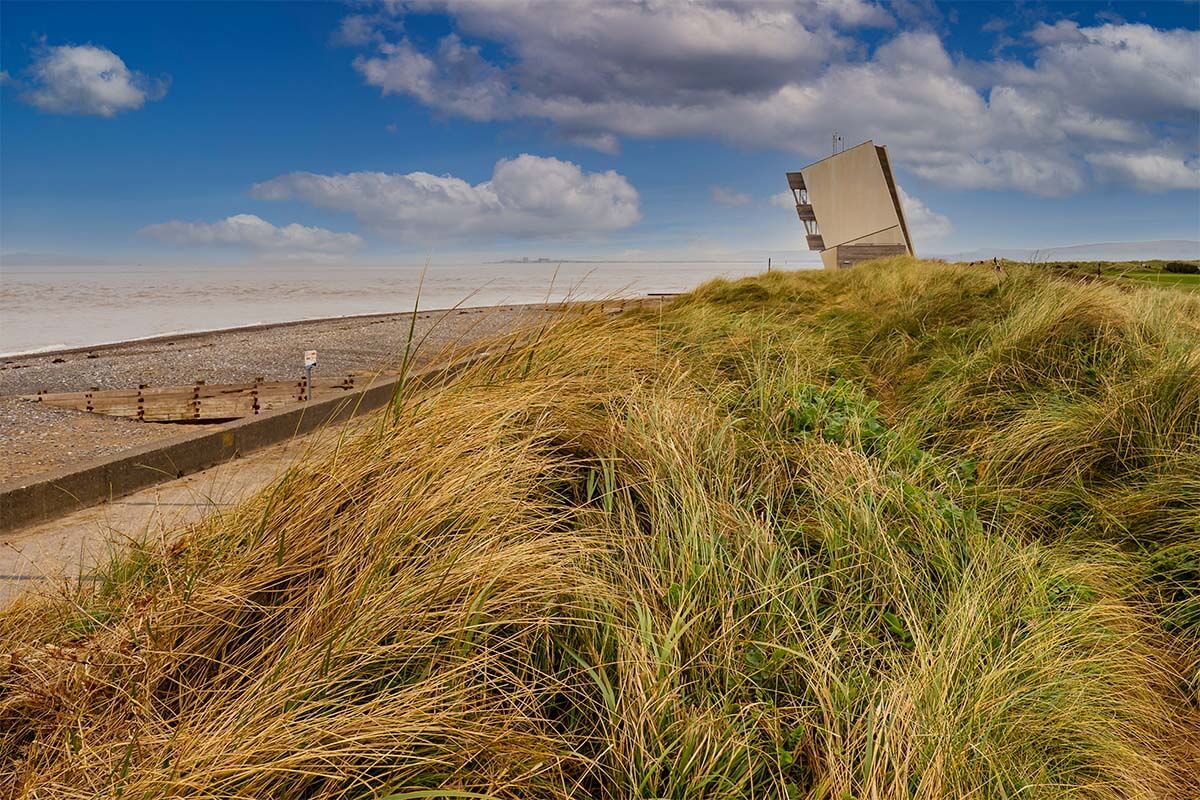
{"x":602,"y":142}
{"x":255,"y":233}
{"x":606,"y":50}
{"x":724,"y":196}
{"x":456,"y":79}
{"x":784,"y":199}
{"x":1132,"y":71}
{"x":87,"y":79}
{"x":527,"y":196}
{"x":665,"y":47}
{"x":783,"y":74}
{"x":355,"y":30}
{"x":1150,"y":172}
{"x":924,"y":225}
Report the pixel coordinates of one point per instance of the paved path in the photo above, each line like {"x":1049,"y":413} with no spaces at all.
{"x":53,"y":554}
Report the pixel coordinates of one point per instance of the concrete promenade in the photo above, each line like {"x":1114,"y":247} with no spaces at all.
{"x":52,"y":555}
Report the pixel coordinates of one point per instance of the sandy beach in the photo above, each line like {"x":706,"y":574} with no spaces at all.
{"x":36,"y":438}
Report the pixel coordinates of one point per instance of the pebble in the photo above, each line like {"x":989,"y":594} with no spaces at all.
{"x":35,"y":437}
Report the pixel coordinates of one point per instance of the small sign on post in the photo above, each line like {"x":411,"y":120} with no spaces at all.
{"x":310,"y":361}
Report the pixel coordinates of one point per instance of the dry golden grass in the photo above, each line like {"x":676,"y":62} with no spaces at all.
{"x":908,"y":530}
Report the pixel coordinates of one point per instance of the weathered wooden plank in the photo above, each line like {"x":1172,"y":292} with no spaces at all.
{"x":202,"y":400}
{"x":806,"y":213}
{"x":850,"y":254}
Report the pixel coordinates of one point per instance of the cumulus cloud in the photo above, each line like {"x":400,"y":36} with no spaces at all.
{"x":661,"y":48}
{"x":455,"y":79}
{"x":527,"y":196}
{"x":356,"y":30}
{"x":256,"y":234}
{"x":87,"y":79}
{"x":1131,"y":71}
{"x":775,"y":74}
{"x":924,"y":224}
{"x":724,"y":196}
{"x":572,"y":58}
{"x":361,"y":29}
{"x":1150,"y":172}
{"x":603,"y":142}
{"x":783,"y":199}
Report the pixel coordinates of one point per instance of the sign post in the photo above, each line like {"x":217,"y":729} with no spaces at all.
{"x":310,"y":361}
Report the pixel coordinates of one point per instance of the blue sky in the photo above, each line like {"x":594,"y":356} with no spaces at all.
{"x":181,"y":133}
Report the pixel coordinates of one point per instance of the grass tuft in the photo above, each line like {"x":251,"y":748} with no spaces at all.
{"x":906,"y":530}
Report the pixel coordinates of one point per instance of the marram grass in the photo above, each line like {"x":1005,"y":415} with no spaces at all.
{"x":904,"y":531}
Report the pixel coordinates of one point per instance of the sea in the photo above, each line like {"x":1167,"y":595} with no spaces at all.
{"x":56,"y":307}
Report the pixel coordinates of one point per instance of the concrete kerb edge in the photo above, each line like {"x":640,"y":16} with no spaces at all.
{"x":38,"y":498}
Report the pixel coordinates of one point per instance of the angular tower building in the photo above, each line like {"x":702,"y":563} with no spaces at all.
{"x":850,"y":207}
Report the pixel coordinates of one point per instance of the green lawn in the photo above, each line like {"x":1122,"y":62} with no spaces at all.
{"x":1167,"y":279}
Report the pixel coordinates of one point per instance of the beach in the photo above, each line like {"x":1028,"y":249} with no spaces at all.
{"x":54,"y":308}
{"x":75,"y":328}
{"x":36,"y":437}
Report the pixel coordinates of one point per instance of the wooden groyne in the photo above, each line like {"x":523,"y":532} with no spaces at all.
{"x":204,"y":402}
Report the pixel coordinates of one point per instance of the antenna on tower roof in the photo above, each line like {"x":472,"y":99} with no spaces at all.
{"x":839,"y":144}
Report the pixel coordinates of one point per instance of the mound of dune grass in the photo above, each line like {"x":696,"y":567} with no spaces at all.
{"x":906,"y":530}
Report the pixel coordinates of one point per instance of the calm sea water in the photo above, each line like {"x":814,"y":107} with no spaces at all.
{"x":55,"y":307}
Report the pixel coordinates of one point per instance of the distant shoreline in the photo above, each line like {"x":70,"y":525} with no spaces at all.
{"x":548,"y":261}
{"x":158,"y":338}
{"x":102,"y":310}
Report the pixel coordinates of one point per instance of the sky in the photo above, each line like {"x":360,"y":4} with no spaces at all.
{"x":367,"y":132}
